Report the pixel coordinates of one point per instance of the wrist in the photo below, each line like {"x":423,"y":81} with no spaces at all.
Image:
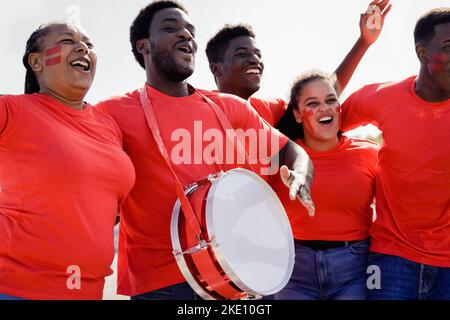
{"x":364,"y":42}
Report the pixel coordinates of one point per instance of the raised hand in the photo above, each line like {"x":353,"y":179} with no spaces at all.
{"x":371,"y":23}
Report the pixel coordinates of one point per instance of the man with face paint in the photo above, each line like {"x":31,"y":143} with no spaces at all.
{"x":411,"y":236}
{"x":163,"y":42}
{"x":237,"y":65}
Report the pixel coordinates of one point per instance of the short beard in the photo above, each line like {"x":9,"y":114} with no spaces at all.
{"x":167,"y":66}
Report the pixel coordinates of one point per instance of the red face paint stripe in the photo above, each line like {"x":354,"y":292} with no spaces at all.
{"x":307,"y":119}
{"x":437,"y":62}
{"x":53,"y":61}
{"x":53,"y":51}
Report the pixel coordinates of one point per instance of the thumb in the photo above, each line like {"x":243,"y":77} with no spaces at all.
{"x":285,"y":175}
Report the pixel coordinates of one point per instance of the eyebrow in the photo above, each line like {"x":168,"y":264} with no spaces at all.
{"x":331,"y":95}
{"x":176,"y":20}
{"x":311,"y":98}
{"x":66,"y":33}
{"x":72,"y":34}
{"x":247,"y":49}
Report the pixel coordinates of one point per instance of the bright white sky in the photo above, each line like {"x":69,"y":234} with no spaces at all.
{"x":294,"y":36}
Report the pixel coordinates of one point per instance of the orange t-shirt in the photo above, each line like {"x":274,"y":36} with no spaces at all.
{"x":62,"y":175}
{"x":413,"y":179}
{"x":343,"y":190}
{"x":270,"y":110}
{"x":146,"y":262}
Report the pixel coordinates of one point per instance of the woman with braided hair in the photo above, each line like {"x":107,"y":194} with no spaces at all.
{"x":62,"y":174}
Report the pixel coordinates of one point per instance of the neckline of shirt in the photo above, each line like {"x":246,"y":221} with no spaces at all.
{"x":412,"y":88}
{"x":343,"y":141}
{"x":54,"y":102}
{"x":155,"y":94}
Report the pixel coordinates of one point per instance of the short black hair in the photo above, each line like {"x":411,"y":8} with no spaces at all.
{"x":140,"y":29}
{"x":425,"y":27}
{"x":216,"y":47}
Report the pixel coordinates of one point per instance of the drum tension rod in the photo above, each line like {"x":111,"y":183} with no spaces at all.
{"x":210,"y":179}
{"x":202,"y":245}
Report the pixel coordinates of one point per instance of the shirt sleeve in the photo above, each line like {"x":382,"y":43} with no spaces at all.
{"x":269,"y":110}
{"x":361,"y":108}
{"x":278,"y":108}
{"x":262,"y":141}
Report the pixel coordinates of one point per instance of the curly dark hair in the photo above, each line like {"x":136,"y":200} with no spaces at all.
{"x":140,"y":28}
{"x":216,"y":47}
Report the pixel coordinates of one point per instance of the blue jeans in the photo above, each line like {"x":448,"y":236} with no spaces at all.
{"x":402,"y":279}
{"x":334,"y":274}
{"x":8,"y":297}
{"x":180,"y":291}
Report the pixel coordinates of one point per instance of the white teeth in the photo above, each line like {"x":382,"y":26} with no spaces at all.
{"x":84,"y":64}
{"x":325,"y":119}
{"x":252,"y":71}
{"x":185,"y":49}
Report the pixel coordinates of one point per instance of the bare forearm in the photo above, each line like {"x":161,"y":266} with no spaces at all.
{"x":297,"y":173}
{"x":296,"y":159}
{"x":348,"y":66}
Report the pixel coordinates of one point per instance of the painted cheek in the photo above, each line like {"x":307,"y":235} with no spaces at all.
{"x":437,"y":62}
{"x":307,"y":119}
{"x":53,"y":57}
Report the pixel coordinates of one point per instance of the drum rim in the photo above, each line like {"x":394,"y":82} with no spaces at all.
{"x":176,"y":245}
{"x":219,"y":252}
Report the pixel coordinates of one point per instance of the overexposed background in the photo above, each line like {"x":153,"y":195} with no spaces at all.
{"x":294,"y":36}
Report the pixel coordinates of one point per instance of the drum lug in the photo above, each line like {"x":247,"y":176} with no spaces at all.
{"x":202,"y":245}
{"x":210,"y":179}
{"x":217,"y":176}
{"x":214,"y":243}
{"x":251,"y":297}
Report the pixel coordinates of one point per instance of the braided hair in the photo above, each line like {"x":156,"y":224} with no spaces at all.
{"x":34,"y":45}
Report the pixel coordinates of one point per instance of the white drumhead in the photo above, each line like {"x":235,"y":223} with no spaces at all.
{"x":256,"y":246}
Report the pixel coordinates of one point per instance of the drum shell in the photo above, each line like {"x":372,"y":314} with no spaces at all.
{"x":206,"y":270}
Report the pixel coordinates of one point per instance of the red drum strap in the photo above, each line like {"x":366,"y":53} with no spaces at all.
{"x":190,"y":216}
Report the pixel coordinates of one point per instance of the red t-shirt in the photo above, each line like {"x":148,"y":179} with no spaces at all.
{"x":146,"y":262}
{"x":342,"y":191}
{"x":413,"y":179}
{"x":270,"y":110}
{"x":62,"y":175}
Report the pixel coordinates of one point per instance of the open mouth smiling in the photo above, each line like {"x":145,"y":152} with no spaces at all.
{"x":81,"y":64}
{"x":326,"y":120}
{"x":254,"y":70}
{"x":185,"y":48}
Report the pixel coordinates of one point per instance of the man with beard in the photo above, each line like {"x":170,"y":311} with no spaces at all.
{"x":163,"y":42}
{"x":237,"y":65}
{"x":411,"y":236}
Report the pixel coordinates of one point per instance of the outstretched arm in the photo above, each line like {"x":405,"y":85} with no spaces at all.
{"x":371,"y":24}
{"x":297,"y":173}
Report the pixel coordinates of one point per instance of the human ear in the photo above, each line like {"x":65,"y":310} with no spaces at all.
{"x":297,"y":115}
{"x":421,"y":52}
{"x":143,"y":46}
{"x":35,"y":61}
{"x":216,"y":69}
